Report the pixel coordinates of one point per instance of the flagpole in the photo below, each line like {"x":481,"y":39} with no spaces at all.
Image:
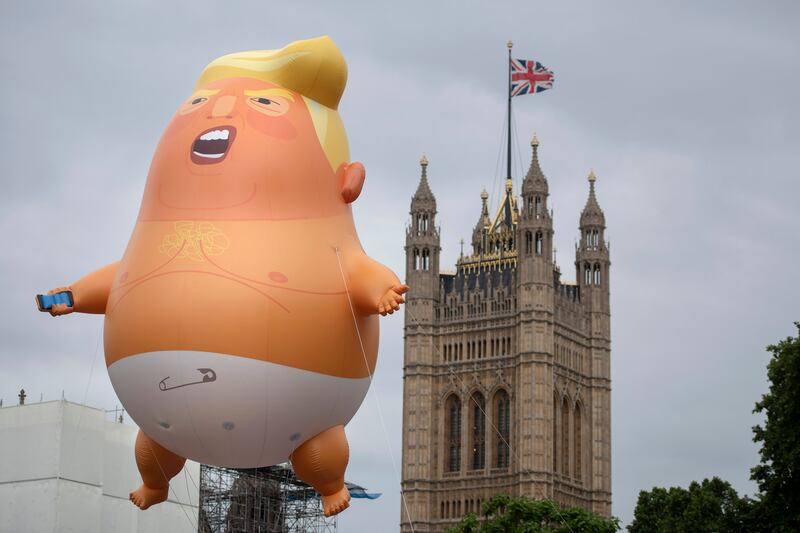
{"x":508,"y":151}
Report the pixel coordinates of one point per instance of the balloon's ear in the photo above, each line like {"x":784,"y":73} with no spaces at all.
{"x":352,"y":180}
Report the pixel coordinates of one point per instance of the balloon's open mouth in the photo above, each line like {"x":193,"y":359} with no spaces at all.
{"x":213,"y":145}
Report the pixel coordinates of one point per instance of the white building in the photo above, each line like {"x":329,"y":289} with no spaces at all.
{"x":65,"y":468}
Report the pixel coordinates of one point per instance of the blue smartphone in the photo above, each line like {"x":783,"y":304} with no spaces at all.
{"x":46,"y":301}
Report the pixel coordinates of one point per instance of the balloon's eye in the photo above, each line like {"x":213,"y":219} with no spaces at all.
{"x":272,"y":106}
{"x":199,"y":100}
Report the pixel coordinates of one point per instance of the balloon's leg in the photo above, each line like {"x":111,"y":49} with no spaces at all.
{"x":157,"y":466}
{"x":321,"y":462}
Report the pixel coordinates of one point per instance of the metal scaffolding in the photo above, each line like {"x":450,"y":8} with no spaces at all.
{"x":259,"y":500}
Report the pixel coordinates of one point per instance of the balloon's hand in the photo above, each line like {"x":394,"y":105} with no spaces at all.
{"x":390,"y":302}
{"x":60,"y":309}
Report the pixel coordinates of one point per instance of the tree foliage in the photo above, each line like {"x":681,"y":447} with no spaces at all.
{"x":778,"y":474}
{"x":503,"y":514}
{"x":712,"y":505}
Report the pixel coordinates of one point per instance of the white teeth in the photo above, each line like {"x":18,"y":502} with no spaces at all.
{"x":215,"y":135}
{"x":210,"y":156}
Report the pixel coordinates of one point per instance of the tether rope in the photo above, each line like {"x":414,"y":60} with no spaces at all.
{"x":194,"y":525}
{"x":374,"y":392}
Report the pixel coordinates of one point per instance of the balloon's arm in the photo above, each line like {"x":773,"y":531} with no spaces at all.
{"x":87,"y":295}
{"x":375,"y":289}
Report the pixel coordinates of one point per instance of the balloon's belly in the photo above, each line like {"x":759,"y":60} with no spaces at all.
{"x":197,"y":311}
{"x":231,"y":411}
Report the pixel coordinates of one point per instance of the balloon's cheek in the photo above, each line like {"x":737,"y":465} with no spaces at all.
{"x":275,"y":127}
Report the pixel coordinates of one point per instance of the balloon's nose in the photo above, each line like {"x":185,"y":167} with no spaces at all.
{"x":223,"y":106}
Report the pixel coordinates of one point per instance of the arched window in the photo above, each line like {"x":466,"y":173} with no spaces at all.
{"x":528,"y":242}
{"x":597,"y":273}
{"x":555,"y":435}
{"x":453,"y":423}
{"x":478,"y":436}
{"x":538,"y":207}
{"x":587,"y":274}
{"x":416,"y":259}
{"x":576,"y":432}
{"x":565,"y":437}
{"x":425,"y":259}
{"x":539,"y":243}
{"x":502,"y":413}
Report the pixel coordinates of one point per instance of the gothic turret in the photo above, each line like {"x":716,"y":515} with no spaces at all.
{"x":592,"y":266}
{"x":591,"y":254}
{"x":592,"y":215}
{"x":481,"y":230}
{"x":535,"y":182}
{"x":422,"y":245}
{"x":535,"y":230}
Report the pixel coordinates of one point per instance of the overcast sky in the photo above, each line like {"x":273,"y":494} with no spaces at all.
{"x":687,"y":113}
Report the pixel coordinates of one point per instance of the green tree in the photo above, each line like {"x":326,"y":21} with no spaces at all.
{"x":778,"y":474}
{"x":712,"y":505}
{"x":503,"y":514}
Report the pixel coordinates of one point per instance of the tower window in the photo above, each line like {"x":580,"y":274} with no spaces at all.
{"x":539,"y":240}
{"x":577,"y":436}
{"x":528,"y":242}
{"x":538,"y":206}
{"x":416,"y":259}
{"x":502,"y":412}
{"x":597,"y":274}
{"x":421,"y":223}
{"x":478,"y":431}
{"x":587,"y":274}
{"x":564,"y":437}
{"x":425,"y":259}
{"x":453,"y":411}
{"x":555,"y":434}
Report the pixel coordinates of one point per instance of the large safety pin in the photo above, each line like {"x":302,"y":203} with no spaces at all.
{"x":208,"y":376}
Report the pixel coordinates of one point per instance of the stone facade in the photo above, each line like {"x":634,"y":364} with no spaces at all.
{"x":507,"y":384}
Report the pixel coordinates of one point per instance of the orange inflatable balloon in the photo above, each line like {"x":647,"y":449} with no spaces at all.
{"x":240,"y":325}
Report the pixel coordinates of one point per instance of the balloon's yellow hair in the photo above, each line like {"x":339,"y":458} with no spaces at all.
{"x":314,"y":68}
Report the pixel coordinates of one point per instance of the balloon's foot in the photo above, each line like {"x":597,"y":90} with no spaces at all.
{"x":144,"y":496}
{"x":336,"y":502}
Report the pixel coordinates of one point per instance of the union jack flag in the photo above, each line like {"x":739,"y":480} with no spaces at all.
{"x":529,"y":76}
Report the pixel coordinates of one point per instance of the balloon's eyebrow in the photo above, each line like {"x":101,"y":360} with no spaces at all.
{"x":204,"y":92}
{"x":274,"y":91}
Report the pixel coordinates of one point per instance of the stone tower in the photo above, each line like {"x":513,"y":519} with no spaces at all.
{"x":507,"y":365}
{"x":422,"y":273}
{"x":592,"y":265}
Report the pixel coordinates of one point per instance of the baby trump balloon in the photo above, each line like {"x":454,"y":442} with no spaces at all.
{"x":240,"y":324}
